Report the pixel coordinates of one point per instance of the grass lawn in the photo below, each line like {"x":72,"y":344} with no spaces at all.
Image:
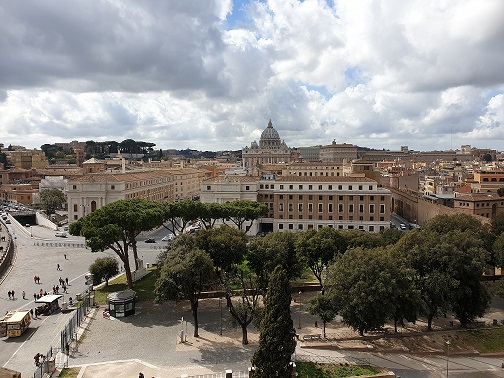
{"x":315,"y":370}
{"x":144,"y":287}
{"x":69,"y":373}
{"x":483,"y":340}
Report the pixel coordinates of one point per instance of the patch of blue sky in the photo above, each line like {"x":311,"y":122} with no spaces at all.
{"x":238,"y":16}
{"x":354,"y":77}
{"x":320,"y":89}
{"x":492,"y":93}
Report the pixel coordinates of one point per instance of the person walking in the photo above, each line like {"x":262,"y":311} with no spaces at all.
{"x":24,"y":295}
{"x":66,"y":281}
{"x":35,"y":296}
{"x":65,"y":256}
{"x":12,"y":294}
{"x":31,"y":312}
{"x":58,"y":268}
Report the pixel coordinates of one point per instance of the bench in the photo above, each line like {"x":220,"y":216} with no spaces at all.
{"x":312,"y":337}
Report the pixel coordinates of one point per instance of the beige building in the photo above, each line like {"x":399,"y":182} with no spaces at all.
{"x":28,"y":159}
{"x":338,"y":153}
{"x":92,"y":191}
{"x":483,"y":204}
{"x":300,"y":203}
{"x":315,"y":169}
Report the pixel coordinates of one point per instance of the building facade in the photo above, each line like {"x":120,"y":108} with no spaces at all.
{"x":269,"y":150}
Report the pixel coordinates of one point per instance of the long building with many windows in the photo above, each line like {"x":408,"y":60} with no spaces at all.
{"x":300,"y":203}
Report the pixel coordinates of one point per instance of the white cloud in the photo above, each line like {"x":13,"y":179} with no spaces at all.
{"x":377,"y":73}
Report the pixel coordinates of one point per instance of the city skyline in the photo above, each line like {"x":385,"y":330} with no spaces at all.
{"x":209,"y":75}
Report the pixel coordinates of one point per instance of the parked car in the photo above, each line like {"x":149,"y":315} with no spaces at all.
{"x":7,"y":221}
{"x":61,"y":234}
{"x":150,"y":240}
{"x":402,"y":226}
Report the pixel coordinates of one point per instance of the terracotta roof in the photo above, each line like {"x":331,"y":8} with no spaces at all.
{"x":479,"y":197}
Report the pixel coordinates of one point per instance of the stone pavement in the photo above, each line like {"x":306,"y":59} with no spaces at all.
{"x":147,"y":341}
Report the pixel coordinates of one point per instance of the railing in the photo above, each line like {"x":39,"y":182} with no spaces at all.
{"x":43,"y":366}
{"x":69,"y":333}
{"x":58,"y":244}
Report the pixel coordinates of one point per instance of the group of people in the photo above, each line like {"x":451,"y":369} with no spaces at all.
{"x":11,"y":294}
{"x":39,"y":359}
{"x":36,"y":279}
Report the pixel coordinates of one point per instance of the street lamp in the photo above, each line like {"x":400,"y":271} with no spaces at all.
{"x":299,"y":300}
{"x":447,"y":356}
{"x":220,"y":308}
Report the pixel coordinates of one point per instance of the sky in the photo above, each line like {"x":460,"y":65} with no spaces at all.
{"x":210,"y":74}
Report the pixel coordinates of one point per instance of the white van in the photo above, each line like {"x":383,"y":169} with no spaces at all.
{"x":61,"y":234}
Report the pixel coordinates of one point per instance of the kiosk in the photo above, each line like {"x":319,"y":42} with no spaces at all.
{"x":49,"y":304}
{"x":121,"y":303}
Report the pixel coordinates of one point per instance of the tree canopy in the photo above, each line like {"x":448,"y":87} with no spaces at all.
{"x":277,"y":335}
{"x":104,"y":268}
{"x":117,"y":225}
{"x":51,"y":200}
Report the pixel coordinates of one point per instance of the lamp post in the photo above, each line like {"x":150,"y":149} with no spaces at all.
{"x":447,"y":356}
{"x":220,"y":308}
{"x":299,"y":309}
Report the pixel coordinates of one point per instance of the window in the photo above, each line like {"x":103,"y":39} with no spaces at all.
{"x":382,"y":198}
{"x":281,"y":186}
{"x":208,"y":187}
{"x":310,"y":207}
{"x":320,"y":208}
{"x":371,"y":228}
{"x":291,"y":187}
{"x":267,"y":186}
{"x":350,"y":208}
{"x":330,"y":198}
{"x":360,"y":187}
{"x":247,"y":187}
{"x":320,"y":198}
{"x":340,"y":198}
{"x":280,"y":226}
{"x":370,"y":187}
{"x":112,"y":187}
{"x":310,"y":187}
{"x":340,"y":217}
{"x":371,"y":198}
{"x":74,"y":187}
{"x":291,"y":207}
{"x":300,"y":207}
{"x":280,"y":196}
{"x":272,"y":186}
{"x":261,"y":186}
{"x":330,"y":207}
{"x":371,"y":209}
{"x":361,"y":198}
{"x":330,"y":187}
{"x":300,"y":226}
{"x":300,"y":197}
{"x":291,"y":196}
{"x":340,"y":187}
{"x":371,"y":219}
{"x":310,"y":197}
{"x":300,"y":187}
{"x":75,"y":208}
{"x":382,"y":209}
{"x":340,"y":208}
{"x":350,"y":198}
{"x":350,"y":187}
{"x":320,"y":187}
{"x":291,"y":226}
{"x":361,"y":208}
{"x":280,"y":207}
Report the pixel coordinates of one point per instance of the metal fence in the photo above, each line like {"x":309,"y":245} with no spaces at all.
{"x":57,"y":244}
{"x":43,"y":366}
{"x":69,"y":333}
{"x":236,"y":374}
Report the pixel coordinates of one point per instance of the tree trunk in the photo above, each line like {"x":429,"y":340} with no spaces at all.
{"x":324,"y":326}
{"x":395,"y":325}
{"x":244,"y":334}
{"x":194,"y":308}
{"x":429,"y":322}
{"x":135,"y":254}
{"x":127,"y":269}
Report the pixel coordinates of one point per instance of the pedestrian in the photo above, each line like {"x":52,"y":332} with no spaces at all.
{"x":36,"y":313}
{"x":57,"y":289}
{"x":31,"y":312}
{"x":38,"y":279}
{"x":35,"y":279}
{"x":24,"y":294}
{"x":140,"y":375}
{"x":10,"y":294}
{"x":35,"y":296}
{"x":41,"y":292}
{"x":65,"y":256}
{"x":66,"y":281}
{"x":58,"y":268}
{"x":67,"y":349}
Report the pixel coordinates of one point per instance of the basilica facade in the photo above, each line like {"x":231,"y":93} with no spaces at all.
{"x":270,"y":150}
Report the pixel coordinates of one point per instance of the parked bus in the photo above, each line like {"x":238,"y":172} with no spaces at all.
{"x":14,"y":323}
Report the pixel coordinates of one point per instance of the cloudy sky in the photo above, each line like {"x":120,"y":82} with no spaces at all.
{"x":209,"y":74}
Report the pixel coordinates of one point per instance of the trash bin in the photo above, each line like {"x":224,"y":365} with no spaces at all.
{"x":91,"y":300}
{"x":51,"y":364}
